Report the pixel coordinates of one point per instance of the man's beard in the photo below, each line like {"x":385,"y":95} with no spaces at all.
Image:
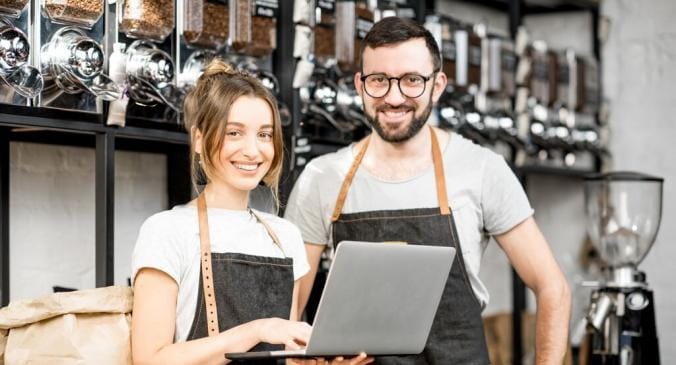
{"x":411,"y":130}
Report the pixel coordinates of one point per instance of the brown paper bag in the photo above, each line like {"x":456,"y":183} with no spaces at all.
{"x":82,"y":327}
{"x":3,"y":342}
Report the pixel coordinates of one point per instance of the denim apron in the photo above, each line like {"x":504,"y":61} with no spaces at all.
{"x":457,"y":335}
{"x":237,"y":288}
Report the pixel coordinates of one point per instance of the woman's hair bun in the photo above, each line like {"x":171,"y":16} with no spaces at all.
{"x":218,"y":66}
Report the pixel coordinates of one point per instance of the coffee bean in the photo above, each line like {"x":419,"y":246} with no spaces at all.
{"x":12,"y":6}
{"x":85,"y":12}
{"x":152,"y":19}
{"x":325,"y":41}
{"x":256,"y":35}
{"x":214,"y":28}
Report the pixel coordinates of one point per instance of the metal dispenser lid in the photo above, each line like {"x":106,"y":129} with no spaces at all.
{"x":26,"y":80}
{"x":159,"y":69}
{"x":86,"y":58}
{"x":75,"y":62}
{"x":14,"y":48}
{"x":193,"y":67}
{"x":150,"y":72}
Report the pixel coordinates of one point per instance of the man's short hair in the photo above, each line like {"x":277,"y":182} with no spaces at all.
{"x":394,"y":30}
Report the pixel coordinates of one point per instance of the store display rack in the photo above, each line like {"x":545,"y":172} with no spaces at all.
{"x":516,"y":10}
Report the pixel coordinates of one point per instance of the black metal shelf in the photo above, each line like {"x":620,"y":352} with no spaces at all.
{"x":555,"y":171}
{"x":43,"y":119}
{"x":61,"y":127}
{"x":535,"y":7}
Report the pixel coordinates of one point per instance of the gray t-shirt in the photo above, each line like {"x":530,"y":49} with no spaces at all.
{"x":485,"y":195}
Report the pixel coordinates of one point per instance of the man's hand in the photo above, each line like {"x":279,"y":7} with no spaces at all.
{"x":361,"y":359}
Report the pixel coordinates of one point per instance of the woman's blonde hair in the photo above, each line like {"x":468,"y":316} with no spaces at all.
{"x":207,"y":108}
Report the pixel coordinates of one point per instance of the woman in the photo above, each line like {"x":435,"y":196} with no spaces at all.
{"x":182,"y":313}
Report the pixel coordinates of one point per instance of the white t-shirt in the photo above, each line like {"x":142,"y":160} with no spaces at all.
{"x":169,"y":241}
{"x":485,"y":195}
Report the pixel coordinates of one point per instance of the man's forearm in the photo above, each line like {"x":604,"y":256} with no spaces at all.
{"x":552,"y":322}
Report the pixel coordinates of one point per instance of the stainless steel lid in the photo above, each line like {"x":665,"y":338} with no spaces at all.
{"x":14,"y":48}
{"x":150,"y":73}
{"x":26,"y":80}
{"x":74,"y":61}
{"x":146,"y":61}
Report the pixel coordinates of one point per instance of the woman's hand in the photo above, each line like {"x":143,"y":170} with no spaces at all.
{"x":361,"y":359}
{"x":279,"y":331}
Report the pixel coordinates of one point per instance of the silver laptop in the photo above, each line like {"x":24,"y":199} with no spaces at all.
{"x":379,"y":298}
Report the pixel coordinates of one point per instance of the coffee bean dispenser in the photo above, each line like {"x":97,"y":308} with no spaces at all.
{"x":566,"y":80}
{"x":325,"y":32}
{"x":70,"y":34}
{"x":544,"y":74}
{"x":203,"y":30}
{"x":147,"y":29}
{"x":353,"y":20}
{"x":499,"y":67}
{"x":253,"y":27}
{"x":587,"y":86}
{"x":19,"y":81}
{"x":150,"y":76}
{"x":448,"y":49}
{"x":584,"y":107}
{"x":146,"y":19}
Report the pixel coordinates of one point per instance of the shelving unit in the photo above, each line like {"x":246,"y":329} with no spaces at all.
{"x":88,"y":130}
{"x":516,"y":10}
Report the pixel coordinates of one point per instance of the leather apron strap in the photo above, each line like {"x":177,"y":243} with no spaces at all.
{"x":205,"y":257}
{"x":271,"y":233}
{"x":439,"y":176}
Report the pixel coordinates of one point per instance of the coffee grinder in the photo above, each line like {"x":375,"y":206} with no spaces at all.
{"x":623,"y":214}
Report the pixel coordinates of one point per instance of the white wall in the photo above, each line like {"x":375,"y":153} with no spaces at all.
{"x":639,"y":73}
{"x":52,"y":214}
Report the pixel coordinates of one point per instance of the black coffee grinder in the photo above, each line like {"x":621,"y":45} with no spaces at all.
{"x":623,"y":213}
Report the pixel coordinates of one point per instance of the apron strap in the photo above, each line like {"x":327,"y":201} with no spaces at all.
{"x":205,"y":257}
{"x":439,"y":177}
{"x":271,"y":233}
{"x":348,"y":180}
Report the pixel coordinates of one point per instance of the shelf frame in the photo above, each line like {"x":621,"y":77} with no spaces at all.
{"x":60,"y":127}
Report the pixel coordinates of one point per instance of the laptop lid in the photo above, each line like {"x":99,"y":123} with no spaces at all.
{"x":379,"y":298}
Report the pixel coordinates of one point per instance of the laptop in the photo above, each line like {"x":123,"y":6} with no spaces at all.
{"x":379,"y":298}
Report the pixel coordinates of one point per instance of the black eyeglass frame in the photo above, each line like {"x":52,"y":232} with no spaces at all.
{"x":389,"y":83}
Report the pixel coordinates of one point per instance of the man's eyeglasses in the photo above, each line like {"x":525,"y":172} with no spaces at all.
{"x":411,"y":85}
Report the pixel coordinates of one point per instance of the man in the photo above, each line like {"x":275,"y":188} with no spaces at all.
{"x":410,"y":182}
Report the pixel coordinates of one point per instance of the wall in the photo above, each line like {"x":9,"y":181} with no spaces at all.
{"x":52,"y":214}
{"x":639,"y":79}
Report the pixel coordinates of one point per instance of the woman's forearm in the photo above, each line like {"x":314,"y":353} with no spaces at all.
{"x":204,"y":351}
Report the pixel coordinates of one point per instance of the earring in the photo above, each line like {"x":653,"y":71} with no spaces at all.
{"x":200,"y":175}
